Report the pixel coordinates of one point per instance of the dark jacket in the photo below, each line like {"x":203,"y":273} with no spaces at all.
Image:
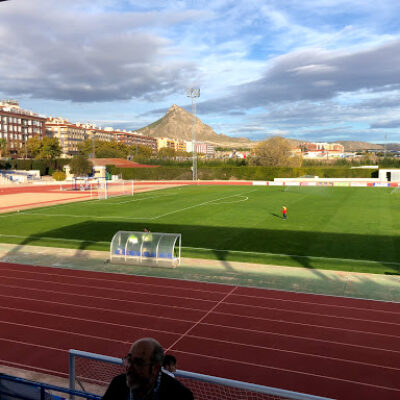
{"x":170,"y":389}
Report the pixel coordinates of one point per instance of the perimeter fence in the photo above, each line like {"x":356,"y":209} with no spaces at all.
{"x":93,"y":372}
{"x":14,"y":388}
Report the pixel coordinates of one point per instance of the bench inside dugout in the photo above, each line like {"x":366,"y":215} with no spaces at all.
{"x":146,"y":248}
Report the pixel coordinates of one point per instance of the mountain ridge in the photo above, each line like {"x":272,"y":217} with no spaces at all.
{"x":177,"y":124}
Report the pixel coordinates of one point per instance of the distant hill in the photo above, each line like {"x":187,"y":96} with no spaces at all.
{"x":392,"y":146}
{"x":177,"y":124}
{"x":350,"y":145}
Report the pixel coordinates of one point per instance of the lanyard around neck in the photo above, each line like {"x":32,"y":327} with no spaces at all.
{"x":155,"y":391}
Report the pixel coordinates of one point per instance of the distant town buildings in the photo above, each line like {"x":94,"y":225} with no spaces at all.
{"x":319,"y":150}
{"x":207,"y":149}
{"x":71,"y":134}
{"x":202,"y":148}
{"x":17,"y":126}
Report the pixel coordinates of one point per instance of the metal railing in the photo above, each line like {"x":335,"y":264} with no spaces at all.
{"x":100,"y":369}
{"x":12,"y":387}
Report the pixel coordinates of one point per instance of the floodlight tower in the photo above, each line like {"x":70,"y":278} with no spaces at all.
{"x":194,"y":93}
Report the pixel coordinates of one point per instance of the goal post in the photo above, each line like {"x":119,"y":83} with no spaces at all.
{"x":94,"y":372}
{"x":108,"y":189}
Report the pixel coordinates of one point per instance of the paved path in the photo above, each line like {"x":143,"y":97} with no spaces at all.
{"x":336,"y":283}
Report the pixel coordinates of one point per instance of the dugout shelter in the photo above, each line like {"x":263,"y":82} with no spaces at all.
{"x":146,"y":248}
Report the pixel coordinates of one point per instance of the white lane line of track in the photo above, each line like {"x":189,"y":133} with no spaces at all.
{"x":111,"y":300}
{"x":101,"y":309}
{"x":94,"y":321}
{"x":249,"y":364}
{"x":28,"y":283}
{"x":133,"y":292}
{"x":299,"y":337}
{"x":243,"y":345}
{"x":312,"y":355}
{"x":201,"y":319}
{"x":36,"y":275}
{"x":60,"y":331}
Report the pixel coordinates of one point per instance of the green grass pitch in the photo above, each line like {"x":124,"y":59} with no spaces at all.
{"x":356,"y":229}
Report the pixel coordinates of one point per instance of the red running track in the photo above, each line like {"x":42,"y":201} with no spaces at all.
{"x":340,"y":348}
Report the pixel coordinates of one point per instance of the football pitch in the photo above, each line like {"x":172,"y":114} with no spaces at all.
{"x":353,"y":229}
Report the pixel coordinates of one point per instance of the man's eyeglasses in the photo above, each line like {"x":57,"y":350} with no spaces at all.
{"x":137,"y":362}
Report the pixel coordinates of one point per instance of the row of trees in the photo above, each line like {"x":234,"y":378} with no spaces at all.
{"x":274,"y":152}
{"x":45,"y":149}
{"x":113,"y":149}
{"x":120,"y":150}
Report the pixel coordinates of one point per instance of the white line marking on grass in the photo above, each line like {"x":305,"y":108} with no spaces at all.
{"x":144,"y":198}
{"x":205,"y":249}
{"x":93,"y":217}
{"x":53,"y":239}
{"x":200,"y":204}
{"x":293,"y":255}
{"x":86,"y":203}
{"x":244,"y":198}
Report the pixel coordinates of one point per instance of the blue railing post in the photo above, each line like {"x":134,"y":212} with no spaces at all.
{"x":71,"y":373}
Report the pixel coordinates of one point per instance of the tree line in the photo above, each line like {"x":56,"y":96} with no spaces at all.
{"x":273,"y":152}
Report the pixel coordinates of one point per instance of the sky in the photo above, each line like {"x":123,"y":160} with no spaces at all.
{"x":313,"y":70}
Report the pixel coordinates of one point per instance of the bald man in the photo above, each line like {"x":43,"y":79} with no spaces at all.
{"x":144,"y":379}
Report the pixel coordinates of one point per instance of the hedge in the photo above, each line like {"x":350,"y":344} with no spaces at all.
{"x":225,"y":172}
{"x":238,"y":173}
{"x":46,"y":167}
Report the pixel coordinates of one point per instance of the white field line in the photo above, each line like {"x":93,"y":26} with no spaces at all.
{"x":293,"y":255}
{"x":53,"y":239}
{"x":28,"y":213}
{"x":210,"y":250}
{"x":201,"y":204}
{"x":111,"y":203}
{"x":118,"y":217}
{"x":244,"y":198}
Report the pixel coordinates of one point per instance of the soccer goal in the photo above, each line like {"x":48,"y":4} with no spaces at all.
{"x":93,"y":372}
{"x":107,"y":189}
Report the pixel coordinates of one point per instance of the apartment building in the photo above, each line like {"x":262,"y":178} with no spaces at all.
{"x":207,"y":149}
{"x":131,"y":139}
{"x":18,"y":125}
{"x":180,"y":146}
{"x":68,"y":134}
{"x":166,"y":142}
{"x":103,"y":135}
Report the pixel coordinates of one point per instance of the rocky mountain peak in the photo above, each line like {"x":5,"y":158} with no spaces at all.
{"x":177,"y":124}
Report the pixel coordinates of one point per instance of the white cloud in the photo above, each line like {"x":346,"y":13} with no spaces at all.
{"x":296,"y":67}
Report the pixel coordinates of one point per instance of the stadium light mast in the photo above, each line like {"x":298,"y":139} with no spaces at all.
{"x":385,"y":146}
{"x":194,"y":93}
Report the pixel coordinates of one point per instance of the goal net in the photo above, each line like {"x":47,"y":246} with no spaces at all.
{"x":93,"y":372}
{"x":108,"y":189}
